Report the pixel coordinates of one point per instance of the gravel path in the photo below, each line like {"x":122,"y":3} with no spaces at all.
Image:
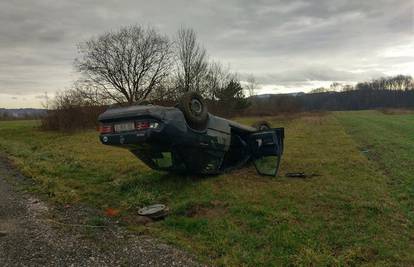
{"x":33,"y":233}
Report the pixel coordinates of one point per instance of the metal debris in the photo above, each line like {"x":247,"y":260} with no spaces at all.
{"x":156,"y":211}
{"x":300,"y":175}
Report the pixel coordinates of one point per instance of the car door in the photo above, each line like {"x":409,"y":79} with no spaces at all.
{"x":267,"y":150}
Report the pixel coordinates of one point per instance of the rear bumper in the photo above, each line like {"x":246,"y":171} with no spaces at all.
{"x":128,"y":138}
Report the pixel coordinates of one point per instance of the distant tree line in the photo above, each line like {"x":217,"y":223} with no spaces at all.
{"x":398,"y":82}
{"x":394,"y":83}
{"x":384,"y":92}
{"x":357,"y":100}
{"x":21,"y":114}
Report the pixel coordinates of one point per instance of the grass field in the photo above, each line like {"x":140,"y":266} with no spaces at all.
{"x":358,"y":211}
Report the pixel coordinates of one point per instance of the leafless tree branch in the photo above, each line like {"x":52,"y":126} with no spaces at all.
{"x":126,"y":65}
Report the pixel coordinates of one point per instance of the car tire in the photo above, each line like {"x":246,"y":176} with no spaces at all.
{"x":195,"y":111}
{"x":262,"y":126}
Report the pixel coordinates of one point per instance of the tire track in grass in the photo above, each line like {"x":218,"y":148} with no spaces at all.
{"x":388,"y":142}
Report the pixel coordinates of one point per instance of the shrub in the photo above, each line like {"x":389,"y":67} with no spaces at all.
{"x":72,"y":118}
{"x":71,"y":110}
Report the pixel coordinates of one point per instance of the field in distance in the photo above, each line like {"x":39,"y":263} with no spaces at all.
{"x":359,"y":210}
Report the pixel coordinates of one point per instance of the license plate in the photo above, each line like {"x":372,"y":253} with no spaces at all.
{"x":124,"y":127}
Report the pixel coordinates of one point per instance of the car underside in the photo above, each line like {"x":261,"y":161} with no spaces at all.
{"x":191,"y":140}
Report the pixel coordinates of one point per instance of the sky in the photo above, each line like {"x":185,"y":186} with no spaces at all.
{"x":289,"y":46}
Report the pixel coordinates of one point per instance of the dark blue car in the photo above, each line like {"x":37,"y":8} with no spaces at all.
{"x":188,"y":139}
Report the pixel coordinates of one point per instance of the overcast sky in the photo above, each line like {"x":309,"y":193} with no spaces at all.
{"x":289,"y":46}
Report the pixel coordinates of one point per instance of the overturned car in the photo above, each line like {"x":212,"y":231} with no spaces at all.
{"x":188,"y":139}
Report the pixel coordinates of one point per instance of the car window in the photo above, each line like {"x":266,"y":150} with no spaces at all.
{"x":267,"y":165}
{"x":163,"y":160}
{"x":211,"y":164}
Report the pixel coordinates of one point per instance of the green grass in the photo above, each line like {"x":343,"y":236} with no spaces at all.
{"x":356,"y":212}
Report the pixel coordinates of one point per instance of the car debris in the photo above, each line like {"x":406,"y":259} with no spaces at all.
{"x":188,"y":139}
{"x":300,"y":175}
{"x":156,"y":211}
{"x":110,"y":212}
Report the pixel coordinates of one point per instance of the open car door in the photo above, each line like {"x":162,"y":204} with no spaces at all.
{"x":267,"y":150}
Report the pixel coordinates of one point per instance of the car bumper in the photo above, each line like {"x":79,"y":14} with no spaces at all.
{"x":127,"y":138}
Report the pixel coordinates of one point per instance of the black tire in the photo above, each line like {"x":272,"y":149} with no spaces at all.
{"x":262,"y":126}
{"x":195,"y":110}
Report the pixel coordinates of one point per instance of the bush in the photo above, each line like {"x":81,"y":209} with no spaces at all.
{"x":72,"y":118}
{"x":72,"y":110}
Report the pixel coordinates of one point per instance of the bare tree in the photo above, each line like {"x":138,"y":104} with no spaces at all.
{"x":128,"y":64}
{"x":46,"y":101}
{"x":192,"y":62}
{"x":336,"y":86}
{"x":319,"y":90}
{"x":90,"y":93}
{"x":166,"y":92}
{"x":251,"y":85}
{"x":67,"y":99}
{"x":347,"y":88}
{"x":217,"y":77}
{"x":401,"y":82}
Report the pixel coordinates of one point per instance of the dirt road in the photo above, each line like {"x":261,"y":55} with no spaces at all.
{"x":33,"y":233}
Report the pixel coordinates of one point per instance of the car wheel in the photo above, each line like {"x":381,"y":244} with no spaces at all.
{"x":262,"y":126}
{"x":195,"y":110}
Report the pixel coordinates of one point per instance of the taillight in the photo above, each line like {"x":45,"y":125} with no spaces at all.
{"x":106,"y":128}
{"x":142,"y":125}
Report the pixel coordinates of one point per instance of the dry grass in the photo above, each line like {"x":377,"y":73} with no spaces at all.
{"x":348,"y":215}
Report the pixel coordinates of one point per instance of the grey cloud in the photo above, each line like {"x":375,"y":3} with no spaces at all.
{"x":42,"y":97}
{"x":295,"y":41}
{"x":314,"y":73}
